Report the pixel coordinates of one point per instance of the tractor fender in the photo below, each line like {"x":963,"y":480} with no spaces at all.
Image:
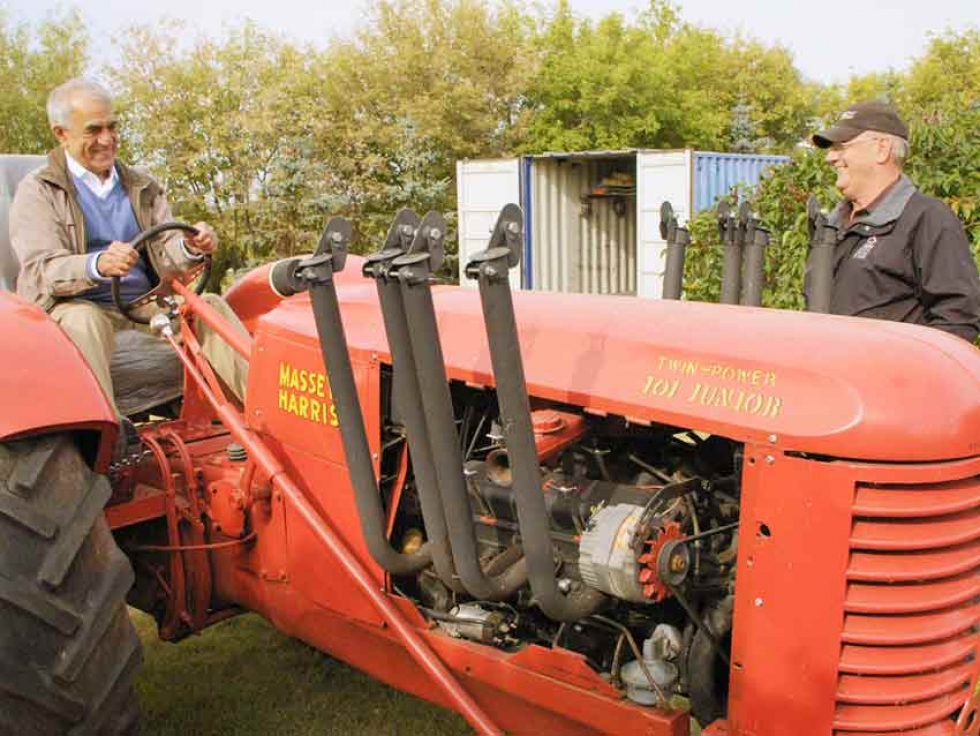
{"x":45,"y":383}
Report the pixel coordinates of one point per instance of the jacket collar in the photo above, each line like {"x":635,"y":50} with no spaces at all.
{"x":56,"y":173}
{"x":883,"y":212}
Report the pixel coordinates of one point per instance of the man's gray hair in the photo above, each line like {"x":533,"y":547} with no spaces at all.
{"x":63,"y":96}
{"x":900,"y":150}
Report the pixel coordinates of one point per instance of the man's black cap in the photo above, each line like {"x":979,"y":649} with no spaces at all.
{"x":877,"y":116}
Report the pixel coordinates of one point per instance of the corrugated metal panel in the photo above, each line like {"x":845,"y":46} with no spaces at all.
{"x":483,"y":187}
{"x":581,"y":245}
{"x":716,"y":173}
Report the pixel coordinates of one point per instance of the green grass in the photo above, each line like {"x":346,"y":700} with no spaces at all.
{"x":243,"y":677}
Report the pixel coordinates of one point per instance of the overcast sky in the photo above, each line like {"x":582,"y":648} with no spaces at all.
{"x":830,"y":39}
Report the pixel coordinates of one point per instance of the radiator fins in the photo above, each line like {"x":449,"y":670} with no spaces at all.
{"x":912,"y":610}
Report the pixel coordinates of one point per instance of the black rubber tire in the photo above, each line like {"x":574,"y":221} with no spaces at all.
{"x":68,"y":651}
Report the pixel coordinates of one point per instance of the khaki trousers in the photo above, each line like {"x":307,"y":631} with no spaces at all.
{"x":93,"y":329}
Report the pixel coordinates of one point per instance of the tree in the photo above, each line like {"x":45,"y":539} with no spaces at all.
{"x":32,"y":63}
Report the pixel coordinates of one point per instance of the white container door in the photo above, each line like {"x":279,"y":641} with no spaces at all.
{"x":660,"y":176}
{"x":483,"y":188}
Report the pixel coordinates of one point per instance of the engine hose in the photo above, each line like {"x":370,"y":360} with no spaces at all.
{"x":440,"y":420}
{"x":515,"y":411}
{"x":367,"y":497}
{"x":406,"y":386}
{"x":707,"y":666}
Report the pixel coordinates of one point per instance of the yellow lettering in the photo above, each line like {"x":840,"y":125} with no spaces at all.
{"x":304,"y":406}
{"x":773,"y":405}
{"x":283,"y":399}
{"x":770,"y":378}
{"x":753,"y":403}
{"x":315,"y":410}
{"x":320,"y":380}
{"x":292,"y":408}
{"x":334,"y":421}
{"x":650,"y":382}
{"x":283,"y":374}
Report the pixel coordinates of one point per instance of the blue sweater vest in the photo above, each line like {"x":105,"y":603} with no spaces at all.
{"x":107,"y":220}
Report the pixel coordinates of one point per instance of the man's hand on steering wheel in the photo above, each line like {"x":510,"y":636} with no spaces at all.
{"x":117,"y":259}
{"x":206,"y":241}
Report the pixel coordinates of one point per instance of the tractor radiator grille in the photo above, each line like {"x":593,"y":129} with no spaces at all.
{"x":912,"y":609}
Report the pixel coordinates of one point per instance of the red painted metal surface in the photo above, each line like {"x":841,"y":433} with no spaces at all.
{"x":856,"y":602}
{"x":46,"y":382}
{"x":741,"y":373}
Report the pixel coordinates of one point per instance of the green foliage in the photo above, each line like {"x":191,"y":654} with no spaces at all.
{"x":32,"y":63}
{"x":659,"y":83}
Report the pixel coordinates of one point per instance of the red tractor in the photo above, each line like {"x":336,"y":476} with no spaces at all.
{"x":554,"y":514}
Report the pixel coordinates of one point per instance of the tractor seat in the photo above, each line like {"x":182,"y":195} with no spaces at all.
{"x":145,"y":372}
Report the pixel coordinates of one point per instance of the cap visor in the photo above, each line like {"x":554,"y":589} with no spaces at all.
{"x":837,"y":134}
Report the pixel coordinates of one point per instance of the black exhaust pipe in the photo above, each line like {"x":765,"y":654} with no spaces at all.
{"x":755,"y":241}
{"x":491,"y":267}
{"x":404,"y":230}
{"x":413,"y":271}
{"x":819,"y":279}
{"x":731,"y":274}
{"x":316,"y":274}
{"x":677,"y":239}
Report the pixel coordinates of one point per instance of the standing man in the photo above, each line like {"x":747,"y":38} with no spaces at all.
{"x":901,"y":255}
{"x":71,"y":223}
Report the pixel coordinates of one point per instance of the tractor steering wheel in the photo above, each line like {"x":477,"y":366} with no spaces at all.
{"x":201,"y":271}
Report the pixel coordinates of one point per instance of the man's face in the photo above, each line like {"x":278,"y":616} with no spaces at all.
{"x":91,"y":137}
{"x":857,"y":162}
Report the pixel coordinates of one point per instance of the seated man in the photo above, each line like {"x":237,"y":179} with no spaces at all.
{"x":70,"y":225}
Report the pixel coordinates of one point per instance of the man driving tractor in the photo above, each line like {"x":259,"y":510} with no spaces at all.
{"x":71,"y":225}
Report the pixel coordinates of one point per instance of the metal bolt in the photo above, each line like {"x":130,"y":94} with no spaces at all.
{"x":678,"y":563}
{"x":336,"y":237}
{"x":490,"y":271}
{"x":770,"y":460}
{"x":564,"y":585}
{"x":758,"y":602}
{"x":773,"y":438}
{"x":513,"y":227}
{"x":435,"y":233}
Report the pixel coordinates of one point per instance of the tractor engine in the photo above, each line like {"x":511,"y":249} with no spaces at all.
{"x":647,"y":515}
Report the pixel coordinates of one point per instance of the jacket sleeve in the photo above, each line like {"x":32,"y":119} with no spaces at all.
{"x":43,"y":243}
{"x":947,"y":275}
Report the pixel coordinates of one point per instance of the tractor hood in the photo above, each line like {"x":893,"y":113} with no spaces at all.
{"x":834,"y":386}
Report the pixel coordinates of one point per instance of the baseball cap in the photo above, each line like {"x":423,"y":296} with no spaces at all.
{"x":877,"y":116}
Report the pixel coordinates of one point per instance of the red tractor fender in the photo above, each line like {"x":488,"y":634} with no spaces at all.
{"x":45,"y":383}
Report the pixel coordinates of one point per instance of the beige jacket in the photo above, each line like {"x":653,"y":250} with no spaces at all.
{"x":47,"y":231}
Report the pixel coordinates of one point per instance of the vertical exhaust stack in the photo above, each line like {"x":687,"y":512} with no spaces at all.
{"x":820,"y":260}
{"x":413,"y":271}
{"x":677,"y":239}
{"x":755,"y":239}
{"x":491,"y":267}
{"x":406,"y":233}
{"x":731,"y":275}
{"x":316,"y":274}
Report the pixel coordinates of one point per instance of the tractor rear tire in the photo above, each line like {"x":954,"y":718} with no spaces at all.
{"x":68,"y":651}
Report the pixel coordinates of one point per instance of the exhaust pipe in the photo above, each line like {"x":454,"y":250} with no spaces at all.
{"x":731,"y":274}
{"x":403,"y":231}
{"x":316,"y":274}
{"x":490,"y":267}
{"x":819,"y":279}
{"x":413,"y":271}
{"x":755,"y":241}
{"x":677,"y":239}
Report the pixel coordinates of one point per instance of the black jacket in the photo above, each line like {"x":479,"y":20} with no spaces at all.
{"x":906,"y":259}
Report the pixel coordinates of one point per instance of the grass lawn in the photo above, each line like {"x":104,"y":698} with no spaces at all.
{"x":243,"y":678}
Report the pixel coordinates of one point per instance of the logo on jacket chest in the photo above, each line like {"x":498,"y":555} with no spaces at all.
{"x":865,"y":248}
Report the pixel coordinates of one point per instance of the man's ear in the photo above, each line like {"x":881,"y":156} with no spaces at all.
{"x":883,"y":150}
{"x":60,"y":133}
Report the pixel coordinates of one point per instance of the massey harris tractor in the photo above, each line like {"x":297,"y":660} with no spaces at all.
{"x":557,"y":515}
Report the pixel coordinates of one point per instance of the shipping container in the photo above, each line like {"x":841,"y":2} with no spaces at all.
{"x":592,"y":218}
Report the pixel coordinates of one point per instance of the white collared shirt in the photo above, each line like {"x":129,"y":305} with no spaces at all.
{"x":99,"y":188}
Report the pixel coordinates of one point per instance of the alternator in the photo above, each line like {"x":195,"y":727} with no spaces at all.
{"x":607,"y":559}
